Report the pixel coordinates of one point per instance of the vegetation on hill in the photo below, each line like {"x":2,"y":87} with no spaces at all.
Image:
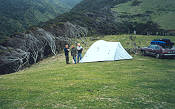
{"x":18,"y":15}
{"x":99,"y":16}
{"x":70,"y":3}
{"x":96,"y":5}
{"x":161,"y":12}
{"x":141,"y":83}
{"x":122,"y":16}
{"x":95,"y":15}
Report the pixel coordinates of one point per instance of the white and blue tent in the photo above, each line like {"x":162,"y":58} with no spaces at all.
{"x":105,"y":51}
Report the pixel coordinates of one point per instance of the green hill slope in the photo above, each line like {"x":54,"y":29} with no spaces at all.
{"x":123,"y":16}
{"x":18,"y":15}
{"x":161,"y":12}
{"x":141,"y":83}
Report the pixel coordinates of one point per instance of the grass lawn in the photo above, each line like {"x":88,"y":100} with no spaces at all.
{"x":144,"y":82}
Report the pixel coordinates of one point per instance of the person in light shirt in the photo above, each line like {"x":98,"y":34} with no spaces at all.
{"x":80,"y":50}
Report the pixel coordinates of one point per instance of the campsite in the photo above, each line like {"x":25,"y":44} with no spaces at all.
{"x":87,"y":54}
{"x":139,"y":83}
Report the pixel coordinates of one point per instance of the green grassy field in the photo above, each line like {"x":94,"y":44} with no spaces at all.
{"x":141,"y":83}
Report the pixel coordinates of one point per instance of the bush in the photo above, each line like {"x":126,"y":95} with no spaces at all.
{"x":136,"y":3}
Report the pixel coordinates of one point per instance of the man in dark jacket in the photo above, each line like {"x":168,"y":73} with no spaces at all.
{"x":74,"y":53}
{"x":66,"y":51}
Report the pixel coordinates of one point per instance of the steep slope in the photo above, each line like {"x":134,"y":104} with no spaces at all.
{"x":17,"y":15}
{"x":93,"y":14}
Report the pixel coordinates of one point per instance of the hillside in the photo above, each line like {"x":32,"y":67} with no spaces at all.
{"x":161,"y":12}
{"x":141,"y":83}
{"x":99,"y":16}
{"x":123,"y":16}
{"x":94,"y":15}
{"x":96,"y":5}
{"x":18,"y":15}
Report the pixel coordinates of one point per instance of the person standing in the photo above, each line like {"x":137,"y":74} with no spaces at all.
{"x":74,"y":53}
{"x":80,"y":50}
{"x":66,"y":51}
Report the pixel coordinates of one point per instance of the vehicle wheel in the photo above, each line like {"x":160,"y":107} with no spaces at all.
{"x":158,"y":56}
{"x":143,"y":53}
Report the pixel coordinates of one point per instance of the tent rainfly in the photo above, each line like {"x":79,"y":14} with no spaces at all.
{"x":105,"y":51}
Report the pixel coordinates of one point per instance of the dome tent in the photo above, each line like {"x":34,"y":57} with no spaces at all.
{"x":105,"y":51}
